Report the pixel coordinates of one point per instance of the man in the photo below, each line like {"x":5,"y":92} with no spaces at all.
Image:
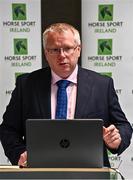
{"x":90,"y":95}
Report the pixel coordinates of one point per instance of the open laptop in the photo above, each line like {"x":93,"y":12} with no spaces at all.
{"x":64,"y":143}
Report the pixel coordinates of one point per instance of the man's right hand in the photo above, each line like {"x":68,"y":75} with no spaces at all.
{"x":23,"y":159}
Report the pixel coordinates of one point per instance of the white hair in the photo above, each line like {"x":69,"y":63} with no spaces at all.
{"x":61,"y":27}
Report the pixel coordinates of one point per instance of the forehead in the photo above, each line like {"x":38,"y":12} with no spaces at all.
{"x":59,"y":38}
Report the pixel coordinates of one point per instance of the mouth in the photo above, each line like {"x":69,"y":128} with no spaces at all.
{"x":63,"y":63}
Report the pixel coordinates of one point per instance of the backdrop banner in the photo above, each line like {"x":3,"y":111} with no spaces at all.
{"x":107,"y":34}
{"x":20,"y":47}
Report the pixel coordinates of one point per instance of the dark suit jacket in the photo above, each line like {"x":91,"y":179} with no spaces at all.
{"x":96,"y":98}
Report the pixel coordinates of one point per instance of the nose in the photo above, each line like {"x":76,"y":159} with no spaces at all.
{"x":62,"y":53}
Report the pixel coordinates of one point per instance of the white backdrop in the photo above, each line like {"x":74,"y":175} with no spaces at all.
{"x":107,"y":34}
{"x":20,"y":47}
{"x":20,"y":21}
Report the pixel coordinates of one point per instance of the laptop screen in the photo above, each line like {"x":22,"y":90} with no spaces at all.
{"x":64,"y":143}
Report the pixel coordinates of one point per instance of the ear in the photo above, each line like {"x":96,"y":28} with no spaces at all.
{"x":79,"y":50}
{"x":46,"y":53}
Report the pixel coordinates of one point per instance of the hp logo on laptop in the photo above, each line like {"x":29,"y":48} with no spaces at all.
{"x":64,"y":143}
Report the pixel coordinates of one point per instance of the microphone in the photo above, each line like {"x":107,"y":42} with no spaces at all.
{"x":117,"y":170}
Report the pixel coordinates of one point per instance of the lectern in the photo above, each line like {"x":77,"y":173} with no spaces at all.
{"x":14,"y":172}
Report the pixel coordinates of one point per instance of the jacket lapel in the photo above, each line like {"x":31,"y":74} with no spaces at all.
{"x":84,"y":89}
{"x":43,"y":90}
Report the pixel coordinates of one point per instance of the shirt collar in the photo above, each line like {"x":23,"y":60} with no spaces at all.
{"x":72,"y":78}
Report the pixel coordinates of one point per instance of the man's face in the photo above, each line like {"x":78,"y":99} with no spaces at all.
{"x":62,"y":53}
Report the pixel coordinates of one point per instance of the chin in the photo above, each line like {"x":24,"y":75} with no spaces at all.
{"x":65,"y":75}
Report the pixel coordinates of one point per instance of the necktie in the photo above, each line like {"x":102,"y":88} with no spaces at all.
{"x":61,"y":107}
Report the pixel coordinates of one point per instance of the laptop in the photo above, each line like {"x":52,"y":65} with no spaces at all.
{"x":64,"y":143}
